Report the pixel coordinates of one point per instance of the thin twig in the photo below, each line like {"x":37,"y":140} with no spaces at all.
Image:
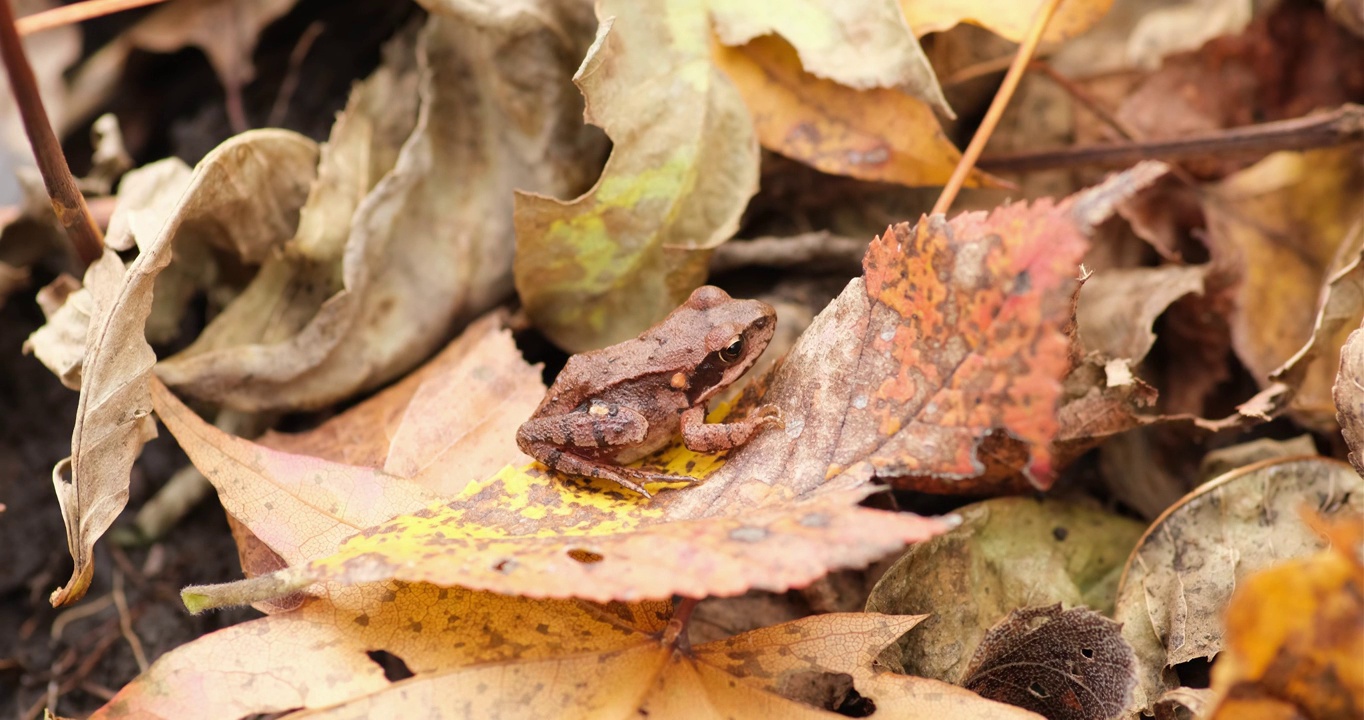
{"x":1341,"y":126}
{"x":675,"y":634}
{"x":1026,"y":50}
{"x":67,"y":201}
{"x":125,"y":623}
{"x":293,"y":74}
{"x":76,"y":12}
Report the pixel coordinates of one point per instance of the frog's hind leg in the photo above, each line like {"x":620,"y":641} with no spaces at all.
{"x":599,"y":426}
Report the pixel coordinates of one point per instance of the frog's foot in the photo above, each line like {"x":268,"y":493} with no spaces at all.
{"x":651,"y":476}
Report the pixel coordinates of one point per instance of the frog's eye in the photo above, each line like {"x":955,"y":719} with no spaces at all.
{"x":733,"y":350}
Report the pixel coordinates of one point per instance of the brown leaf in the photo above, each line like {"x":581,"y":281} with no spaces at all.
{"x":430,"y":245}
{"x":600,"y":268}
{"x":1006,"y":554}
{"x":1349,"y":397}
{"x":1295,"y":637}
{"x":874,"y":134}
{"x":1066,"y":665}
{"x":1117,"y":308}
{"x":885,"y":53}
{"x":1177,"y":582}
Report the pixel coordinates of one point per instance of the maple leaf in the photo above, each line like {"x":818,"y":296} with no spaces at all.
{"x":482,"y":655}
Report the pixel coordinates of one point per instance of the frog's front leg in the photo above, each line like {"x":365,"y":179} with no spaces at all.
{"x":700,"y":436}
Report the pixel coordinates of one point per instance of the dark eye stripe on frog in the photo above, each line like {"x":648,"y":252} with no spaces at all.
{"x":707,"y":374}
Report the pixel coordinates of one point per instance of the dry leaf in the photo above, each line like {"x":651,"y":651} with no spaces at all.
{"x":1349,"y":397}
{"x":862,"y":44}
{"x":1009,"y":20}
{"x":113,"y":417}
{"x":1295,"y":637}
{"x":1065,"y":665}
{"x":600,"y":268}
{"x":60,"y":343}
{"x":1006,"y":554}
{"x":873,"y":134}
{"x":1285,"y":225}
{"x":1177,"y":582}
{"x":317,"y":655}
{"x":430,"y":246}
{"x":1117,"y":308}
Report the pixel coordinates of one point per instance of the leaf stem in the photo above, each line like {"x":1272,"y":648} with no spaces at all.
{"x":76,"y":12}
{"x":676,"y":635}
{"x":67,"y":201}
{"x":1026,"y":50}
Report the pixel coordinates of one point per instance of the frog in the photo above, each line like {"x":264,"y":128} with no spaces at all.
{"x":610,"y":407}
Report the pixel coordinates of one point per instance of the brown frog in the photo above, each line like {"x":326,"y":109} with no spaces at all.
{"x":612,"y":406}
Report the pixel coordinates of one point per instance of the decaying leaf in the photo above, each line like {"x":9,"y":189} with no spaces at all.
{"x":1290,"y":225}
{"x":602,"y":267}
{"x":113,"y":419}
{"x":1065,"y":665}
{"x":1117,"y":308}
{"x":430,"y":245}
{"x":1349,"y":397}
{"x":1177,"y":582}
{"x":1009,"y":20}
{"x":1007,"y":553}
{"x":60,"y":343}
{"x":1295,"y":637}
{"x":874,"y":134}
{"x":859,"y":44}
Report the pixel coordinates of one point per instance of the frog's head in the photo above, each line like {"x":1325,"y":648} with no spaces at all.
{"x":736,"y":333}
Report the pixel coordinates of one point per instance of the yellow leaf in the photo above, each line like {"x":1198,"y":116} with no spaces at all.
{"x":1010,"y":20}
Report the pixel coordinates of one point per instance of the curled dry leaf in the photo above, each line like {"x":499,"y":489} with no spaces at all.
{"x":1177,"y":582}
{"x":1295,"y":637}
{"x":430,"y":245}
{"x":1291,"y":227}
{"x":113,"y":419}
{"x":1117,"y":308}
{"x":1064,"y":665}
{"x":874,"y":134}
{"x":602,"y":267}
{"x":451,"y":421}
{"x":1008,"y":20}
{"x":862,"y":44}
{"x":60,"y":343}
{"x":1006,"y":554}
{"x":1349,"y":397}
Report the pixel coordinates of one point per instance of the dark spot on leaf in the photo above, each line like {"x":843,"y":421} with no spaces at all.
{"x":542,"y":628}
{"x":1060,"y":533}
{"x":362,"y":620}
{"x":586,"y":557}
{"x":1037,"y":690}
{"x":505,"y":566}
{"x":394,"y":667}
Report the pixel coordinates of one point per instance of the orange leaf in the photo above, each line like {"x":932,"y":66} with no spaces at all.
{"x":875,"y":134}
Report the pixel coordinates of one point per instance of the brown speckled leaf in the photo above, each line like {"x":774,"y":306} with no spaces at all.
{"x":1349,"y":397}
{"x":1066,"y":665}
{"x":1176,"y":585}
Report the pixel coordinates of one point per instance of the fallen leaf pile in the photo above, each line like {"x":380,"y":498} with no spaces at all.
{"x":1051,"y":455}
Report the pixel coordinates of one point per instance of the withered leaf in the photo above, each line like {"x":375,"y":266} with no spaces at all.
{"x":885,"y":53}
{"x":1349,"y":397}
{"x":1295,"y":637}
{"x":1064,"y":665}
{"x":875,"y":134}
{"x":1007,"y":553}
{"x":1009,"y":20}
{"x":1177,"y":582}
{"x":429,"y":246}
{"x":600,"y":268}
